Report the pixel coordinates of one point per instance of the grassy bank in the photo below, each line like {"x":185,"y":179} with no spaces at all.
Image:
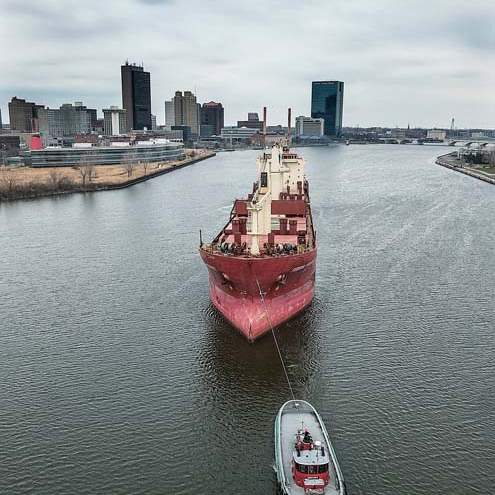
{"x":451,"y":161}
{"x":26,"y":182}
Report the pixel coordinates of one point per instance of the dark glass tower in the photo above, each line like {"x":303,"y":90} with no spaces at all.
{"x":327,"y":102}
{"x":212,"y":115}
{"x":136,"y":96}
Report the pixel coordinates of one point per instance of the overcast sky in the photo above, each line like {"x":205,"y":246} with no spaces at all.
{"x":417,"y":62}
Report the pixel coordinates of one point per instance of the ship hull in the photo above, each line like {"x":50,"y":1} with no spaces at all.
{"x":286,"y":284}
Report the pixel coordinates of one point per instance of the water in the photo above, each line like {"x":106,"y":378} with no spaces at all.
{"x":117,"y":375}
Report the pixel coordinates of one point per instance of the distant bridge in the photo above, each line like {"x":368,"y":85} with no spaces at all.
{"x":466,"y":143}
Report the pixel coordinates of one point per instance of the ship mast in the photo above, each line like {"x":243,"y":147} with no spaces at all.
{"x":260,"y":207}
{"x":289,"y":113}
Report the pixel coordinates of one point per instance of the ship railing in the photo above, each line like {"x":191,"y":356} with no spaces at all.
{"x":222,"y":232}
{"x":244,"y":250}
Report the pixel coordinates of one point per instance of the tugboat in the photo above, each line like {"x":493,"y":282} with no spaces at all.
{"x":305,"y":460}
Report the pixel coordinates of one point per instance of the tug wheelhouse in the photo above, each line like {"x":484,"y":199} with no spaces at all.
{"x":310,"y":462}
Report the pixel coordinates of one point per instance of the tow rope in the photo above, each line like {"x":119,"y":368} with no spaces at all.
{"x":275,"y":339}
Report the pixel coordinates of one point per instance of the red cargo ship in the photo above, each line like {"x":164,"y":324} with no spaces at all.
{"x":262,"y":264}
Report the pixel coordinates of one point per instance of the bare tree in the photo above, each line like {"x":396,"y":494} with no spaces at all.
{"x":86,"y":167}
{"x":85,"y":173}
{"x":65,"y":183}
{"x":8,"y":182}
{"x":129,"y":162}
{"x":54,"y":179}
{"x":91,"y":172}
{"x":145,"y":167}
{"x":129,"y":166}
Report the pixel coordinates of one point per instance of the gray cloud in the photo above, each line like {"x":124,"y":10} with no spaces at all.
{"x":421,"y":65}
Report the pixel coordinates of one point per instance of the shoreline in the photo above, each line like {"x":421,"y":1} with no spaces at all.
{"x":92,"y":187}
{"x":450,"y":161}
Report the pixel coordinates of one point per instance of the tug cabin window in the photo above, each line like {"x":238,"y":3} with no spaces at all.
{"x":310,"y":469}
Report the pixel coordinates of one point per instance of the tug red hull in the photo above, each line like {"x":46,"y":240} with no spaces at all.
{"x":286,"y":283}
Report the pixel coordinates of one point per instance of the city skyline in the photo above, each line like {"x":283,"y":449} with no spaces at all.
{"x":421,"y":69}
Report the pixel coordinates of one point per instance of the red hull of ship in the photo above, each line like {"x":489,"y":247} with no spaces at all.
{"x":287,"y":284}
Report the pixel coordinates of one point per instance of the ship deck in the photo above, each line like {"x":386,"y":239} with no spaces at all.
{"x":277,"y":238}
{"x":292,"y":229}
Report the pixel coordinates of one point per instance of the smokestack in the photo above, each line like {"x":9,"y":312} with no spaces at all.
{"x":289,"y":121}
{"x":264,"y":126}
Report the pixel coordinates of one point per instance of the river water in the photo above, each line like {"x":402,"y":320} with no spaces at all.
{"x":118,"y":377}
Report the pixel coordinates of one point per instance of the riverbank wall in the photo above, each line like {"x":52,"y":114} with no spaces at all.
{"x":156,"y":173}
{"x":11,"y":190}
{"x":451,"y":161}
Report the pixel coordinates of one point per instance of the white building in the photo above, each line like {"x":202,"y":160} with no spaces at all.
{"x":169,"y":113}
{"x":436,"y":134}
{"x":309,"y":127}
{"x":233,"y":133}
{"x":478,"y":135}
{"x":115,"y":121}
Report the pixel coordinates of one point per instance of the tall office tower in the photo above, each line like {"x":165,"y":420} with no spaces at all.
{"x":212,"y":119}
{"x":93,"y":114}
{"x":115,"y":121}
{"x":1,"y":125}
{"x":23,"y":115}
{"x":169,"y":113}
{"x":186,"y":111}
{"x":74,"y":119}
{"x":327,"y":103}
{"x":136,"y":96}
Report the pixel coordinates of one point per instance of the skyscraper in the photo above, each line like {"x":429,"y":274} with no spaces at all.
{"x":114,"y":121}
{"x":23,"y":115}
{"x":186,"y":111}
{"x":169,"y":113}
{"x":136,"y":96}
{"x":212,"y":116}
{"x":93,"y":114}
{"x":327,"y":103}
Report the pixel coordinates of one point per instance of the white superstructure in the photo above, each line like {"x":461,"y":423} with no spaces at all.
{"x":279,"y":172}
